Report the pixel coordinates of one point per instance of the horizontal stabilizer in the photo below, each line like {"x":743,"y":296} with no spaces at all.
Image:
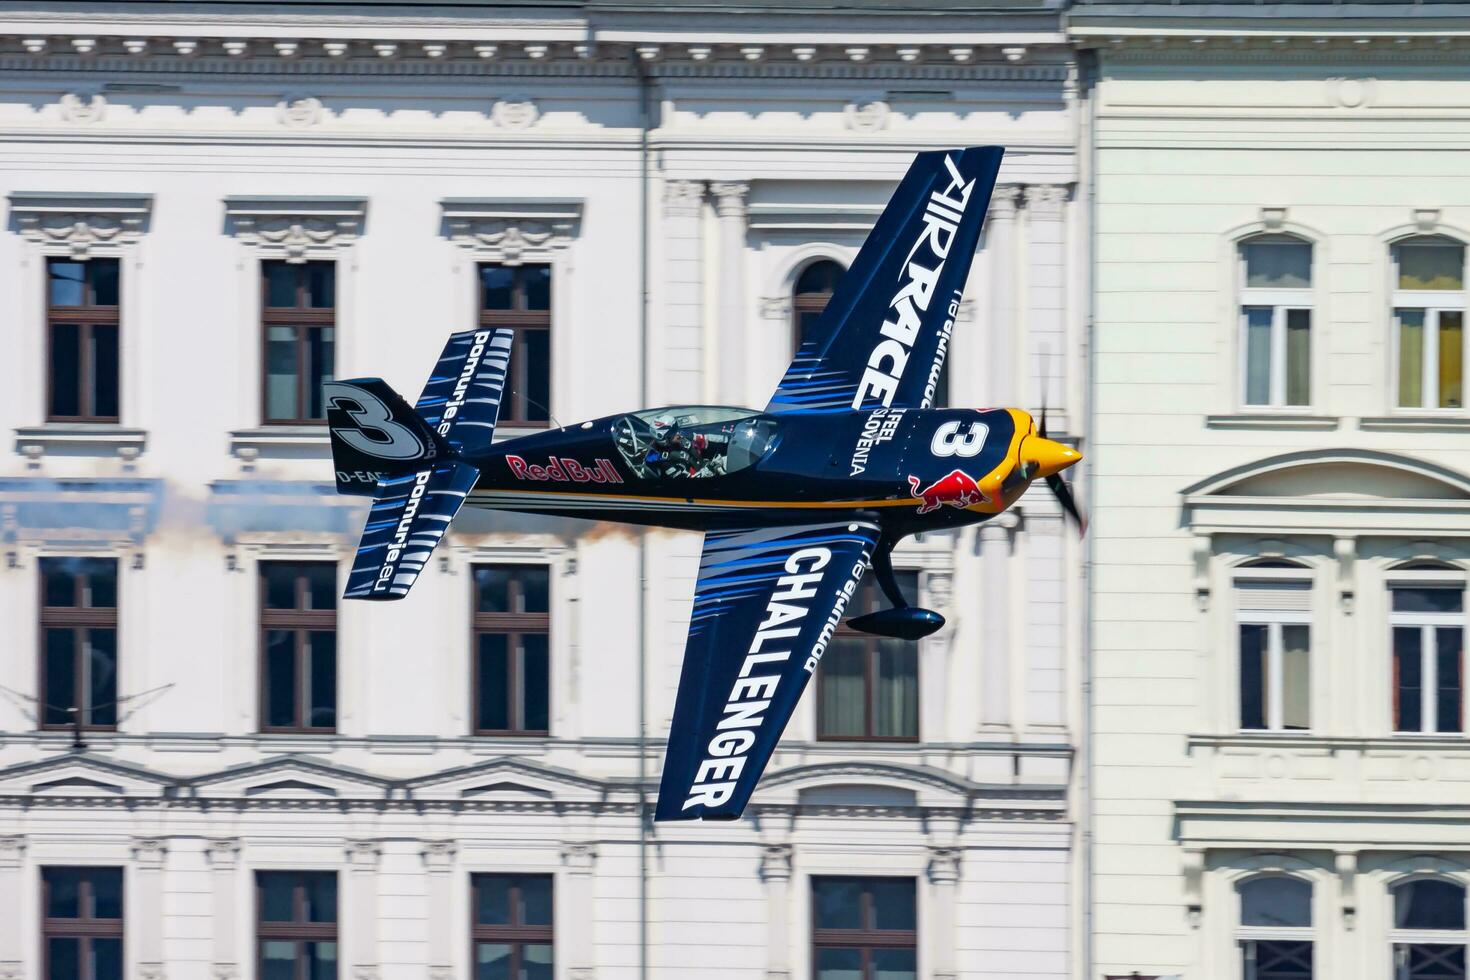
{"x":410,"y":514}
{"x":462,"y":398}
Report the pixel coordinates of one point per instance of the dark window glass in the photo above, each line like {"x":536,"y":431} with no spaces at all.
{"x":1252,"y":676}
{"x":104,"y":282}
{"x":298,"y":668}
{"x":511,"y":926}
{"x":296,"y":925}
{"x":1439,"y":600}
{"x":1408,"y":679}
{"x":1448,"y":694}
{"x":868,"y":687}
{"x":864,"y":928}
{"x":79,"y":655}
{"x":1276,"y":959}
{"x":298,"y":318}
{"x":519,"y":298}
{"x":68,"y":282}
{"x":82,"y":923}
{"x":66,"y":370}
{"x":1429,"y":903}
{"x":1277,"y":261}
{"x":512,"y":649}
{"x":1430,"y":961}
{"x":83,"y":355}
{"x":1276,"y":900}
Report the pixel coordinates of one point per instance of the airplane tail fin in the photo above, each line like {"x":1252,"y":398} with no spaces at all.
{"x":410,"y":460}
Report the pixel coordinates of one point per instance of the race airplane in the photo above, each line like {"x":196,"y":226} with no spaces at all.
{"x":797,"y":501}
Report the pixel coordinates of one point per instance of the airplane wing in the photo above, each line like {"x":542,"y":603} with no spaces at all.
{"x":765,"y":607}
{"x":884,"y":335}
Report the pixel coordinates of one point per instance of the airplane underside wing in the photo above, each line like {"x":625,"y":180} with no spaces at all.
{"x":765,"y":608}
{"x":410,"y":514}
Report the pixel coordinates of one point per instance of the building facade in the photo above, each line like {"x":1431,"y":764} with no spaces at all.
{"x":209,"y":767}
{"x":1279,"y":553}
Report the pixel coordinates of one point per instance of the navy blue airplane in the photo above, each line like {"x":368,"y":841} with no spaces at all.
{"x":797,"y":501}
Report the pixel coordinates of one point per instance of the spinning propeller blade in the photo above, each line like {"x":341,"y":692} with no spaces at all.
{"x":1055,"y":483}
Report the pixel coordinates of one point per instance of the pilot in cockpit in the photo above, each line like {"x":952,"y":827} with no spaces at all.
{"x":674,"y":452}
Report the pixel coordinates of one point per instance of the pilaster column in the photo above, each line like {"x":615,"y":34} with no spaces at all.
{"x":224,"y":859}
{"x":995,"y":602}
{"x":1046,"y":301}
{"x":1000,"y":331}
{"x":148,"y":856}
{"x":577,"y":905}
{"x":776,"y":873}
{"x":12,"y":858}
{"x":679,"y":359}
{"x":730,"y":345}
{"x":362,"y":905}
{"x":944,"y":872}
{"x":439,"y":860}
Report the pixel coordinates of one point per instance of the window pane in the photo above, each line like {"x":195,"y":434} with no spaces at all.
{"x":280,"y":284}
{"x":1411,"y":358}
{"x":58,"y":576}
{"x":820,"y":277}
{"x":67,"y":282}
{"x":839,"y":964}
{"x":842,"y":681}
{"x":536,"y":900}
{"x":1407,"y":682}
{"x":896,"y":695}
{"x":893,"y":903}
{"x":492,"y":587}
{"x":63,"y":959}
{"x":894,"y":964}
{"x":535,"y":683}
{"x":320,"y":360}
{"x":63,"y":892}
{"x":492,"y":961}
{"x":1296,"y":678}
{"x":66,"y":369}
{"x":321,"y":961}
{"x":1449,"y":647}
{"x":321,"y":285}
{"x":104,"y":282}
{"x":1431,"y":266}
{"x":534,"y":588}
{"x":536,"y":963}
{"x":492,"y":905}
{"x":102,"y":676}
{"x":321,"y":897}
{"x":1298,"y":357}
{"x":101,"y":582}
{"x":1278,"y":960}
{"x":494,"y":676}
{"x":107,"y":893}
{"x":277,"y":889}
{"x":838,"y":903}
{"x":278,"y":961}
{"x":1252,"y":676}
{"x":104,"y":370}
{"x":1258,"y":355}
{"x":321,"y":586}
{"x":106,"y":959}
{"x":805,"y":322}
{"x":1446,"y":600}
{"x":1275,"y":900}
{"x":1277,"y":264}
{"x":323,"y":679}
{"x":280,"y":585}
{"x":1433,"y":961}
{"x":1451,"y":358}
{"x":1428,"y":903}
{"x":280,"y":678}
{"x":280,"y":373}
{"x":61,"y":690}
{"x":537,"y":279}
{"x":495,"y":287}
{"x":537,"y":393}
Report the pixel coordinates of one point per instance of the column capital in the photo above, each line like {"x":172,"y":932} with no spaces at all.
{"x":439,"y":854}
{"x":362,"y":855}
{"x":776,"y":862}
{"x":1003,"y":202}
{"x":944,"y":865}
{"x":10,"y":970}
{"x":150,"y":851}
{"x":1045,"y":200}
{"x":223,"y":852}
{"x":683,"y":198}
{"x":579,"y":857}
{"x":730,"y":198}
{"x":225,"y":971}
{"x":12,"y":849}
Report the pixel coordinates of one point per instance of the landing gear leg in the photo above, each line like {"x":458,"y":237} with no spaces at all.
{"x":903,"y":621}
{"x":883,"y":569}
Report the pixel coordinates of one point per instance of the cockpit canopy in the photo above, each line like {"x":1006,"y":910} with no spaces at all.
{"x":693,"y":441}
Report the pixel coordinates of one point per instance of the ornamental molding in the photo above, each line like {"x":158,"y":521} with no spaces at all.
{"x":12,"y":850}
{"x":833,"y":217}
{"x":1004,"y":202}
{"x":775,"y":307}
{"x":866,"y":117}
{"x":297,"y":111}
{"x":580,"y":857}
{"x":150,"y":851}
{"x":683,"y":198}
{"x":730,"y":198}
{"x":776,"y":861}
{"x":512,"y":231}
{"x":222,"y":852}
{"x":944,"y":864}
{"x":1046,"y":200}
{"x":363,"y":855}
{"x":515,"y":112}
{"x":439,"y":855}
{"x":83,"y":108}
{"x":80,"y":223}
{"x":296,"y":228}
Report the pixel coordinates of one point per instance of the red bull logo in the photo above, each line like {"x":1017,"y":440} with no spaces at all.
{"x":958,"y":489}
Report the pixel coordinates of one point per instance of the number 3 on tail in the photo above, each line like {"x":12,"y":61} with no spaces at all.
{"x":948,"y":442}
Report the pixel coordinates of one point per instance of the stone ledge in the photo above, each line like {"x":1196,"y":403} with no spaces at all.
{"x":1415,"y":423}
{"x":281,"y":442}
{"x":1271,"y":420}
{"x":80,"y":439}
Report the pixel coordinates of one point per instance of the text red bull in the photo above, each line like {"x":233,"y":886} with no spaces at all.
{"x":958,"y":489}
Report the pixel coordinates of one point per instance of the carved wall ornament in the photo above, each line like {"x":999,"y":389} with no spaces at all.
{"x":12,"y":849}
{"x":83,"y":107}
{"x":730,"y":198}
{"x":150,"y":971}
{"x":776,"y":862}
{"x":1352,"y":93}
{"x":683,"y":198}
{"x":299,"y":111}
{"x":222,"y":852}
{"x":297,"y":228}
{"x":1045,"y":199}
{"x":944,"y":864}
{"x":515,"y":112}
{"x":149,"y":850}
{"x":1003,"y":202}
{"x":512,"y":232}
{"x":776,"y":307}
{"x":866,"y":117}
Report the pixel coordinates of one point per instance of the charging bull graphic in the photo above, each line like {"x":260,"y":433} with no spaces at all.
{"x":956,"y":489}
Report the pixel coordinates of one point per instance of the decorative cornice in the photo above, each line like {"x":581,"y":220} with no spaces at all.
{"x":866,"y":117}
{"x":299,"y":111}
{"x":730,"y":198}
{"x":80,"y":222}
{"x":297,"y":228}
{"x":150,"y":851}
{"x":579,"y":856}
{"x":833,"y":217}
{"x":223,"y":852}
{"x":439,"y":854}
{"x":683,"y":198}
{"x":1045,"y":200}
{"x":944,"y":864}
{"x":775,"y":307}
{"x":512,"y":231}
{"x":515,"y":112}
{"x":363,"y":854}
{"x":776,"y":862}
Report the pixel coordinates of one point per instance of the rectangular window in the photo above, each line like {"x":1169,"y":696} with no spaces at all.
{"x":1275,"y":644}
{"x":298,"y":326}
{"x":869,"y":685}
{"x":519,"y":297}
{"x":864,"y":929}
{"x":1431,"y":358}
{"x":82,"y":923}
{"x":1428,"y":628}
{"x":512,"y":644}
{"x":296,"y":925}
{"x":1429,"y":961}
{"x":298,"y":646}
{"x":83,"y":321}
{"x":511,"y":927}
{"x":1275,"y":959}
{"x":1276,"y":321}
{"x":78,"y":669}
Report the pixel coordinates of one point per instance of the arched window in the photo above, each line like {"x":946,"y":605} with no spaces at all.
{"x":1276,"y":320}
{"x":1429,"y":935}
{"x":1275,"y":930}
{"x":1429,"y":321}
{"x":810,"y":295}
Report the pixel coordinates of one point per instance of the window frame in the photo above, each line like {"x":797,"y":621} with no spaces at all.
{"x":295,"y":931}
{"x":1294,"y":578}
{"x":509,"y":624}
{"x":515,"y":935}
{"x":85,"y":316}
{"x":300,"y":622}
{"x":863,"y":938}
{"x":871,"y":650}
{"x":1247,"y":937}
{"x":79,"y":619}
{"x":1429,"y":623}
{"x":521,"y":321}
{"x":302,"y":319}
{"x":1432,"y":303}
{"x":1402,"y":938}
{"x":84,"y":928}
{"x":1282,"y":300}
